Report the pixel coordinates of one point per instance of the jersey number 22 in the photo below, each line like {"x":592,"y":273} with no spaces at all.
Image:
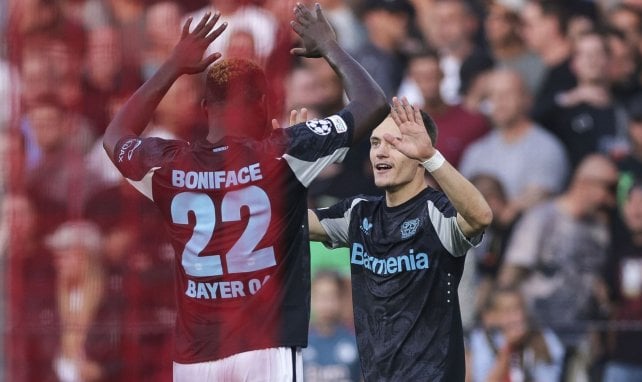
{"x":243,"y":256}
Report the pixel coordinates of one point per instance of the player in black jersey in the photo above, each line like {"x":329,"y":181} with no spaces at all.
{"x":407,"y":253}
{"x":234,"y":202}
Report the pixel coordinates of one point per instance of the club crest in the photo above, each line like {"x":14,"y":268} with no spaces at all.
{"x":409,"y":228}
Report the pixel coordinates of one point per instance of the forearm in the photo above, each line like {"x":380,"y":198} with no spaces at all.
{"x":467,"y":200}
{"x":368,"y":103}
{"x":317,"y":233}
{"x":135,"y":114}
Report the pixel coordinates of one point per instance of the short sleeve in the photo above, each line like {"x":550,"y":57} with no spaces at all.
{"x":316,"y":143}
{"x":335,"y":220}
{"x":135,"y":157}
{"x":443,"y":218}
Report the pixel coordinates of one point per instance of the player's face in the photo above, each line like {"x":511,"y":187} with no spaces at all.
{"x":392,"y":170}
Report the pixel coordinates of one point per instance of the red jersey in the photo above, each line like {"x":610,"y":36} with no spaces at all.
{"x":236,"y":214}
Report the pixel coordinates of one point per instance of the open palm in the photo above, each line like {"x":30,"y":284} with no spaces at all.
{"x":414,"y":141}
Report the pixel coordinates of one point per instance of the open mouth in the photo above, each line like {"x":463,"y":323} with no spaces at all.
{"x":382,"y":166}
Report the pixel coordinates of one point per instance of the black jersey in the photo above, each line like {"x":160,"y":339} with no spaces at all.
{"x":406,"y":263}
{"x":236,"y":215}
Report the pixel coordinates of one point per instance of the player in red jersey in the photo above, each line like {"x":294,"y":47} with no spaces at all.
{"x":235,"y":203}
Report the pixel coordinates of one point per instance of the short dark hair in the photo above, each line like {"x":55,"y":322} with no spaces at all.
{"x":431,"y":127}
{"x":230,"y":78}
{"x":558,"y":9}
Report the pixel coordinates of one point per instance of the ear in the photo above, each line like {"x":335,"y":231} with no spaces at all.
{"x":203,"y":104}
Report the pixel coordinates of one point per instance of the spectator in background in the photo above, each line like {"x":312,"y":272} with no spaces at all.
{"x":503,"y":31}
{"x":58,"y":171}
{"x":502,"y":152}
{"x":545,"y":26}
{"x":386,"y":23}
{"x":42,"y":17}
{"x":242,"y":16}
{"x":104,"y":76}
{"x":624,"y":276}
{"x":138,"y":306}
{"x":474,"y":75}
{"x":79,"y":288}
{"x":585,"y":118}
{"x":350,"y":33}
{"x":624,"y":67}
{"x":484,"y":261}
{"x":630,"y":165}
{"x":510,"y":346}
{"x":162,"y":25}
{"x":31,"y":295}
{"x":331,"y":355}
{"x":458,"y":127}
{"x":128,"y":18}
{"x":35,"y":77}
{"x":453,"y":37}
{"x":627,"y":19}
{"x":556,"y":256}
{"x":303,"y":90}
{"x":582,"y":18}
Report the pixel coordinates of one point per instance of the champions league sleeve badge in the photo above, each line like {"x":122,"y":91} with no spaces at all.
{"x":319,"y":126}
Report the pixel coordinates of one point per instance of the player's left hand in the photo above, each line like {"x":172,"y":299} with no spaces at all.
{"x":414,"y":141}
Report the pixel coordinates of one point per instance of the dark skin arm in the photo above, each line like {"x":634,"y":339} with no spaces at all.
{"x":186,"y":58}
{"x":368,"y":104}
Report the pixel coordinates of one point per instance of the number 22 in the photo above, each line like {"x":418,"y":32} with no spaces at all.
{"x":243,"y":256}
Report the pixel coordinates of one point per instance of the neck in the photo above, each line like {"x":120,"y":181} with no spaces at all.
{"x":398,"y":196}
{"x":382,"y":41}
{"x":571,"y":205}
{"x":507,"y":50}
{"x":556,"y":52}
{"x":460,"y":50}
{"x":215,"y":135}
{"x":434,"y":105}
{"x":515,"y":130}
{"x":326,"y":329}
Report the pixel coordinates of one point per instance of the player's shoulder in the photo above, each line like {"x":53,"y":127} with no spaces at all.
{"x":433,"y":198}
{"x":364,"y":201}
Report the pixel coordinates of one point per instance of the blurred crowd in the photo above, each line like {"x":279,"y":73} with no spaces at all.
{"x":538,"y":103}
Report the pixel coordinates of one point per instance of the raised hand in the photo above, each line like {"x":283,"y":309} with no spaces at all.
{"x":414,"y":141}
{"x":188,"y":53}
{"x":295,"y":117}
{"x":315,"y":31}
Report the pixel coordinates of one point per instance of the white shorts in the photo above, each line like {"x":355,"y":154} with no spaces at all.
{"x":282,"y":364}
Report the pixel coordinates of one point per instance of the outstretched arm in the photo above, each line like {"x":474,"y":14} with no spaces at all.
{"x":317,"y":232}
{"x":473,"y":212}
{"x":368,"y":104}
{"x":186,"y":58}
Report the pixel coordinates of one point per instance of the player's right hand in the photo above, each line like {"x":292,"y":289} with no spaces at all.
{"x":187,"y":55}
{"x":295,"y":118}
{"x":315,"y":31}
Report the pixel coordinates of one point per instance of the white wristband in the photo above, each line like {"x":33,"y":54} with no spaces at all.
{"x":434,"y":162}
